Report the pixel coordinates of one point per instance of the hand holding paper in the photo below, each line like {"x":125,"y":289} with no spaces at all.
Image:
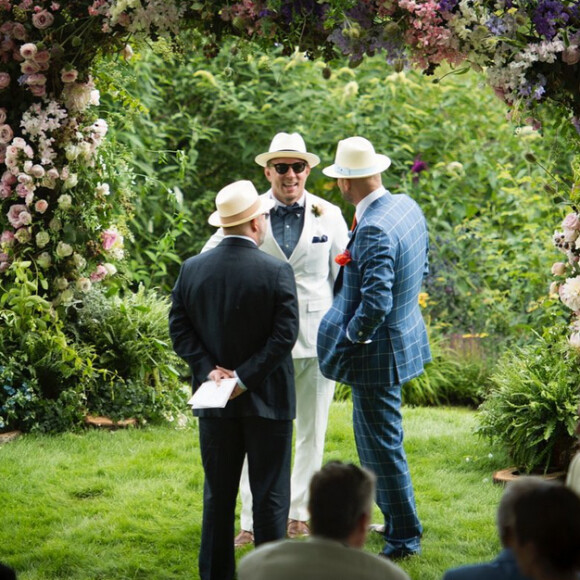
{"x":210,"y":395}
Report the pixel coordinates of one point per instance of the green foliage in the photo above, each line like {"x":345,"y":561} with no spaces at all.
{"x":456,"y":376}
{"x":490,"y":218}
{"x":111,"y":356}
{"x":532,"y":409}
{"x":130,"y":335}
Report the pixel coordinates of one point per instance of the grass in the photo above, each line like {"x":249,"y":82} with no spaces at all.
{"x":127,"y":504}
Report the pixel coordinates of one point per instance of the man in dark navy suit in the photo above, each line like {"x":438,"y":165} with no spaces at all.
{"x":235,"y":314}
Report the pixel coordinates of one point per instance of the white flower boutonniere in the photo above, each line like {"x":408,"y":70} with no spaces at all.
{"x":317,"y":211}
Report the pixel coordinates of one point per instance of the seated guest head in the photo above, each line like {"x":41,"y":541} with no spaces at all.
{"x":505,"y":512}
{"x":7,"y":573}
{"x":547,"y":533}
{"x":341,"y":502}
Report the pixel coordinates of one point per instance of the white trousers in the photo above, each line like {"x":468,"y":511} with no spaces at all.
{"x":314,"y":395}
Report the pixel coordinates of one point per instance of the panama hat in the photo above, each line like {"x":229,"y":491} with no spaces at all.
{"x":356,"y":157}
{"x":287,"y":145}
{"x":238,"y":203}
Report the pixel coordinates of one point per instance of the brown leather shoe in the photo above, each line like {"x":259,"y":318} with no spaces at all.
{"x":297,"y":529}
{"x":244,"y":538}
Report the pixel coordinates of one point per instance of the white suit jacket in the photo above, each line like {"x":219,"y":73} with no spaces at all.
{"x":324,"y":235}
{"x":315,"y":559}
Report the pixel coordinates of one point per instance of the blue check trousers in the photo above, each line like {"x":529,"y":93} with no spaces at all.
{"x":378,"y":431}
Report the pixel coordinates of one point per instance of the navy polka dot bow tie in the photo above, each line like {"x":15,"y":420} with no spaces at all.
{"x":284,"y":210}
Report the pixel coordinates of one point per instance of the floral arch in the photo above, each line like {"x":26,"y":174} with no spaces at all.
{"x":63,"y":201}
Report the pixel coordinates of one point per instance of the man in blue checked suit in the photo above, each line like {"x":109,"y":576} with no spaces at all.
{"x":373,"y":338}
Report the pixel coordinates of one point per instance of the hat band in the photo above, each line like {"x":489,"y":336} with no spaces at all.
{"x":352,"y":172}
{"x":242,"y":215}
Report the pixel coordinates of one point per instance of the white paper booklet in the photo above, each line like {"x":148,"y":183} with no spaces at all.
{"x":211,"y":396}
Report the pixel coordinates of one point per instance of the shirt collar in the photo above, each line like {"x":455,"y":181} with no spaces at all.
{"x":241,"y":238}
{"x":363,"y":204}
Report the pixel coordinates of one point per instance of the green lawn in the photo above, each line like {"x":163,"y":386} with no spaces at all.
{"x":127,"y":504}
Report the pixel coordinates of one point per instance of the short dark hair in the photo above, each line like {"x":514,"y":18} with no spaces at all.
{"x":7,"y":573}
{"x":549,"y":518}
{"x":506,"y":518}
{"x":339,"y":495}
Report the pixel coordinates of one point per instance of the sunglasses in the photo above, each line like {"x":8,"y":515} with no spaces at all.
{"x":282,"y":168}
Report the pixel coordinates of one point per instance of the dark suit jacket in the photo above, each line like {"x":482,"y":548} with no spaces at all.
{"x":236,"y":307}
{"x":504,"y":567}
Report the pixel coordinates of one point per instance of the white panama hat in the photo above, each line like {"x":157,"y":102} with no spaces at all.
{"x":238,"y":203}
{"x":287,"y":145}
{"x":356,"y":157}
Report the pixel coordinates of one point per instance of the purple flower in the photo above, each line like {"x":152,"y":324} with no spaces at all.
{"x":291,"y":9}
{"x":419,"y":165}
{"x":497,"y":26}
{"x":548,"y":17}
{"x":448,"y":5}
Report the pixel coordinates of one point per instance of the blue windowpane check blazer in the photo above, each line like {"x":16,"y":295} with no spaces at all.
{"x":374,"y":333}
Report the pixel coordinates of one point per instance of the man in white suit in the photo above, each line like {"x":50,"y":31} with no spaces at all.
{"x":341,"y":503}
{"x":308,"y":232}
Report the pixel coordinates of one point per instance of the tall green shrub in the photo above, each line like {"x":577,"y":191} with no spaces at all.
{"x":489,"y":215}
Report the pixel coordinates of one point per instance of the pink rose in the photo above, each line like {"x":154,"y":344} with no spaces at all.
{"x":69,"y":76}
{"x":38,"y":90}
{"x":18,"y":216}
{"x":28,"y":50}
{"x":42,"y":57}
{"x":6,"y":134}
{"x":2,"y":115}
{"x":109,"y":237}
{"x":571,"y":55}
{"x":4,"y":80}
{"x":559,"y":268}
{"x":37,"y":171}
{"x":7,"y":45}
{"x":99,"y":274}
{"x":571,"y":222}
{"x":41,"y":205}
{"x":29,"y":67}
{"x":19,"y":32}
{"x":42,"y":19}
{"x":35,"y":79}
{"x":7,"y":238}
{"x":8,"y":178}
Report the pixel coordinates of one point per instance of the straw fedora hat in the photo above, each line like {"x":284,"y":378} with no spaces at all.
{"x":287,"y":145}
{"x":356,"y":157}
{"x":238,"y":203}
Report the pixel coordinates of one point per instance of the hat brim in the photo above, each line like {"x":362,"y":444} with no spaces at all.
{"x":336,"y":171}
{"x":310,"y":158}
{"x":266,"y":204}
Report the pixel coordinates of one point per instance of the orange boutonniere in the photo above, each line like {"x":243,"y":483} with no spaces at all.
{"x":343,"y":259}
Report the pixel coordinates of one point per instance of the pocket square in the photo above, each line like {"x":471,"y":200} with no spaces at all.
{"x":319,"y":239}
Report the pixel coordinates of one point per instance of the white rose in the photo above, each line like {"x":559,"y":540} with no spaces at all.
{"x":44,"y":260}
{"x":42,"y":238}
{"x":79,"y":261}
{"x":111,"y":269}
{"x":65,"y":201}
{"x":574,"y":340}
{"x":61,"y":283}
{"x":63,"y":250}
{"x":84,"y":284}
